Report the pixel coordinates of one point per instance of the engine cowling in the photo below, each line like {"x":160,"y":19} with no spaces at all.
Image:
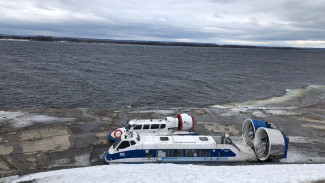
{"x":185,"y":122}
{"x":171,"y":122}
{"x":270,"y":144}
{"x":249,"y":129}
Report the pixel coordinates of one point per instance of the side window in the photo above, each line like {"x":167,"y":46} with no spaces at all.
{"x":146,"y":126}
{"x":204,"y":138}
{"x":163,"y":153}
{"x":190,"y":153}
{"x":154,"y":126}
{"x":162,"y":126}
{"x":177,"y":153}
{"x":138,"y":137}
{"x":124,"y":145}
{"x":132,"y":143}
{"x":137,"y":127}
{"x":164,"y":138}
{"x":148,"y":153}
{"x":205,"y":152}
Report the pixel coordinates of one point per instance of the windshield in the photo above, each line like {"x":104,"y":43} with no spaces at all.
{"x":116,"y":142}
{"x":128,"y":126}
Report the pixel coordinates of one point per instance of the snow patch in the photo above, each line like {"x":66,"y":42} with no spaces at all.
{"x":219,"y":107}
{"x":23,"y":119}
{"x":100,"y":156}
{"x":60,"y":163}
{"x":281,"y":113}
{"x":259,"y":111}
{"x":296,"y":156}
{"x":164,"y":112}
{"x":300,"y":139}
{"x":291,"y":98}
{"x":227,"y":114}
{"x":179,"y":173}
{"x":79,"y":161}
{"x":259,"y":114}
{"x":82,"y":160}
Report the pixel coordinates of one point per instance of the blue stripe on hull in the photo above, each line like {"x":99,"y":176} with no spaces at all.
{"x":215,"y":155}
{"x":172,"y":159}
{"x":195,"y":162}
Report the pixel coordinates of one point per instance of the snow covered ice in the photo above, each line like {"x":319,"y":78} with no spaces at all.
{"x":179,"y":173}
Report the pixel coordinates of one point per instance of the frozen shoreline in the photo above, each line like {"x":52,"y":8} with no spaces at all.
{"x":34,"y":140}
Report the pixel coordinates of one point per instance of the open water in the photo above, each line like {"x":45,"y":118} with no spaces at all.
{"x":71,"y":75}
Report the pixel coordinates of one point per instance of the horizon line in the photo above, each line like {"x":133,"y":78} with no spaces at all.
{"x":144,"y":42}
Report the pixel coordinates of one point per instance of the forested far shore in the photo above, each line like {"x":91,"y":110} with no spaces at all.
{"x":139,"y":42}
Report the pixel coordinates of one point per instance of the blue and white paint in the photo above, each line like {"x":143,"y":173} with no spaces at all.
{"x":131,"y":147}
{"x":181,"y":125}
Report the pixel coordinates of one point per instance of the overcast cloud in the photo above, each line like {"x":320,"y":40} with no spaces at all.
{"x":269,"y":23}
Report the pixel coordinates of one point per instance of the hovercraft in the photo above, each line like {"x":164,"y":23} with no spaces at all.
{"x":262,"y":143}
{"x":181,"y":125}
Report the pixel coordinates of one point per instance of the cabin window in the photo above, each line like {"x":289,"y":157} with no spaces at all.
{"x":164,"y":138}
{"x":154,"y":126}
{"x":138,"y":137}
{"x":177,"y":153}
{"x":137,"y":127}
{"x":203,"y":138}
{"x":190,"y":153}
{"x":162,"y":126}
{"x":163,"y":153}
{"x":148,"y":153}
{"x":124,"y":145}
{"x":132,"y":142}
{"x":146,"y":127}
{"x":205,"y":152}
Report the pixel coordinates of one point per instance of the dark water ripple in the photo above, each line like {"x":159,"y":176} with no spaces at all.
{"x":45,"y":74}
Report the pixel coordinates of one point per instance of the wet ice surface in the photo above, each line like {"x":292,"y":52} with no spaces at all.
{"x":300,"y":114}
{"x":301,"y":118}
{"x":311,"y":94}
{"x":180,"y":173}
{"x":299,"y":156}
{"x":163,"y":112}
{"x":80,"y":160}
{"x":291,"y":104}
{"x":22,"y":119}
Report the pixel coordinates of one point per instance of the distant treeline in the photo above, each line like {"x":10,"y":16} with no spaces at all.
{"x":89,"y":40}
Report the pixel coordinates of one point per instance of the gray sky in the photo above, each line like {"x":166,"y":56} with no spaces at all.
{"x":254,"y":22}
